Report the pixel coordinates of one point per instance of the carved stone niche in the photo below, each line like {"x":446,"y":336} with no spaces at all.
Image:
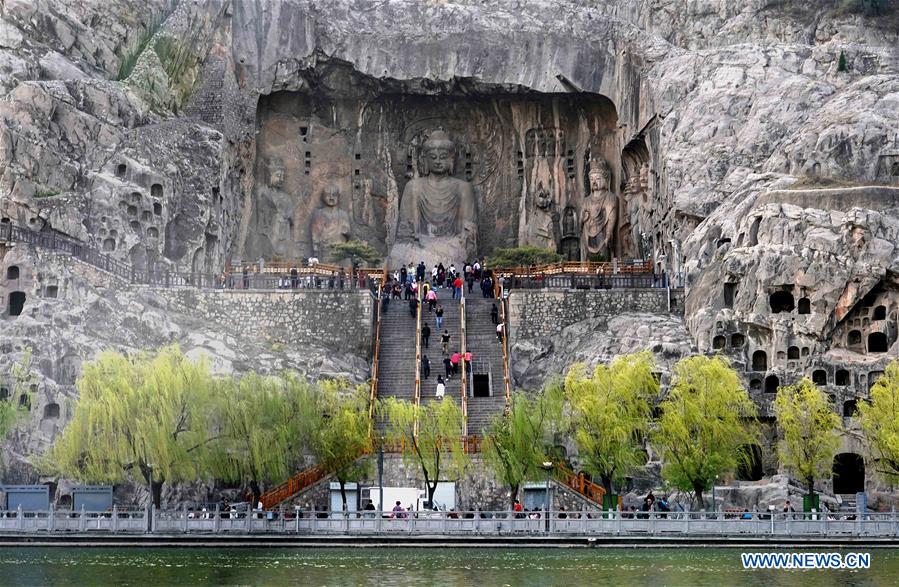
{"x":517,"y":151}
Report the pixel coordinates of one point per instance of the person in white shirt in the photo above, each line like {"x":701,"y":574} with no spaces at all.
{"x":441,"y":387}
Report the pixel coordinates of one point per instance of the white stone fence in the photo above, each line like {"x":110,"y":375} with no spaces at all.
{"x":558,"y":524}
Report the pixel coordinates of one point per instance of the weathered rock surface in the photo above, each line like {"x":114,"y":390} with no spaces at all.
{"x":721,"y":121}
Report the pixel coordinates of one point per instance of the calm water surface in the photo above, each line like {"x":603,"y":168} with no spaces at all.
{"x":407,"y":566}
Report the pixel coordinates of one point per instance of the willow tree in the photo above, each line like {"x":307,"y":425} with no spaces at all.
{"x":519,"y":440}
{"x":341,"y":443}
{"x":610,"y":412}
{"x":261,"y":424}
{"x":16,"y":401}
{"x":809,"y":430}
{"x":879,"y":419}
{"x":437,"y":449}
{"x":705,"y":420}
{"x":138,"y":413}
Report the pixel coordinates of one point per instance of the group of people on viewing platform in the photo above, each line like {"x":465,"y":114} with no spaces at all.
{"x":404,"y":284}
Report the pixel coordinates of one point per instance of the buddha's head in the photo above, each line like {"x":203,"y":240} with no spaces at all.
{"x":330,"y":196}
{"x":600,"y":175}
{"x":275,"y":172}
{"x":439,"y":150}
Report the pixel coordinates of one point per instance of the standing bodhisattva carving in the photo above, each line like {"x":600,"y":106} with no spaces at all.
{"x":599,"y":212}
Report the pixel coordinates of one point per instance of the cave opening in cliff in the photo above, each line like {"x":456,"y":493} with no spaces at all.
{"x":730,"y":292}
{"x":16,"y":303}
{"x":804,"y":306}
{"x":718,"y":342}
{"x":793,"y":353}
{"x":12,"y":272}
{"x":848,"y":473}
{"x":4,"y":393}
{"x":527,"y":156}
{"x":877,"y":342}
{"x":880,"y":313}
{"x":841,"y":377}
{"x":759,"y":361}
{"x":51,"y":411}
{"x":771,"y":384}
{"x":849,"y":408}
{"x":737,"y":340}
{"x":819,"y":377}
{"x":781,"y":301}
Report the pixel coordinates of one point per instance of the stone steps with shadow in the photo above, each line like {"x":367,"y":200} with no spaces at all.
{"x":486,"y":395}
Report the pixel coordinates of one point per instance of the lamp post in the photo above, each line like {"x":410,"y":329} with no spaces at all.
{"x":714,"y":502}
{"x":150,"y":509}
{"x":381,"y":475}
{"x":547,"y":468}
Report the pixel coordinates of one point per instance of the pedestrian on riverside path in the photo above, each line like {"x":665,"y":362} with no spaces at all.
{"x":425,"y":366}
{"x":448,"y":367}
{"x":441,"y":387}
{"x":445,"y":340}
{"x":413,"y":307}
{"x":494,"y":314}
{"x":425,"y":335}
{"x":439,"y":313}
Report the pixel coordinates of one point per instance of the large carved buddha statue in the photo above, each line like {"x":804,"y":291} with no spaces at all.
{"x":437,"y":213}
{"x":599,"y":212}
{"x":329,"y":224}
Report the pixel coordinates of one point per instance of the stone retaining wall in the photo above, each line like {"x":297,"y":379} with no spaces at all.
{"x":340,"y":320}
{"x":540,"y":313}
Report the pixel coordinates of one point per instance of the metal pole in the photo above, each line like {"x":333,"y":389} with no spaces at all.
{"x":381,"y":476}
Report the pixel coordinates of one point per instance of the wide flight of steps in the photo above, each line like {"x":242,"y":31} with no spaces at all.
{"x":396,"y":367}
{"x":486,"y":351}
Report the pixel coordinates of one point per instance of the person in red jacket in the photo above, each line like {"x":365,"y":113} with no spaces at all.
{"x":457,"y":288}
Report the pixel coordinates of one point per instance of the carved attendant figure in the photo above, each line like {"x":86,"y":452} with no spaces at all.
{"x":437,"y":213}
{"x":542,"y":229}
{"x":329,"y":224}
{"x":599,"y":214}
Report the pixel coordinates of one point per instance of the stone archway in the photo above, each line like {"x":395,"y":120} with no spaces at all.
{"x":848,"y":473}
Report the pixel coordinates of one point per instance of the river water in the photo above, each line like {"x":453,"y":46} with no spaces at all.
{"x":482,"y":567}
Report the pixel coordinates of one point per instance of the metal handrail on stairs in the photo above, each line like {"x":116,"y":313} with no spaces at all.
{"x":376,"y":355}
{"x":463,"y":388}
{"x":302,"y":480}
{"x":580,"y":484}
{"x":499,"y":293}
{"x":417,"y":356}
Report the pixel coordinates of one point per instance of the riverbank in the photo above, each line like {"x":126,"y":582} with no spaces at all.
{"x":90,"y":540}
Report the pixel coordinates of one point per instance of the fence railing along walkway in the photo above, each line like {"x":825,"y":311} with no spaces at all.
{"x":272,"y":277}
{"x":593,"y":523}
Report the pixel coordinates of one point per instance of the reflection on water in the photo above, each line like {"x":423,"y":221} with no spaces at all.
{"x":483,"y":567}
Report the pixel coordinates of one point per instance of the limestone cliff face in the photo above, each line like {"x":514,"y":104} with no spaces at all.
{"x":735,"y":139}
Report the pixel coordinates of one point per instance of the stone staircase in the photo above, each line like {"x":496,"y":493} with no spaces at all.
{"x":396,"y":368}
{"x":452,"y":321}
{"x":487,"y":359}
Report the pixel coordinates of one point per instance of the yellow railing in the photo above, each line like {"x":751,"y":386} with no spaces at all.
{"x":376,"y":354}
{"x":292,"y":486}
{"x":498,"y":293}
{"x":464,"y":382}
{"x":579,"y":483}
{"x":417,"y":395}
{"x":574,"y":267}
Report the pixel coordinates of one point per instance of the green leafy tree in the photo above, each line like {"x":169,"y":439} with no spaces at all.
{"x":841,"y":64}
{"x":261,"y":424}
{"x":138,"y":413}
{"x":705,"y":420}
{"x":523,"y":257}
{"x":879,"y":420}
{"x":809,"y":429}
{"x":610,"y":411}
{"x":15,"y":404}
{"x":341,"y":444}
{"x":519,"y":441}
{"x":354,"y":251}
{"x":437,"y":449}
